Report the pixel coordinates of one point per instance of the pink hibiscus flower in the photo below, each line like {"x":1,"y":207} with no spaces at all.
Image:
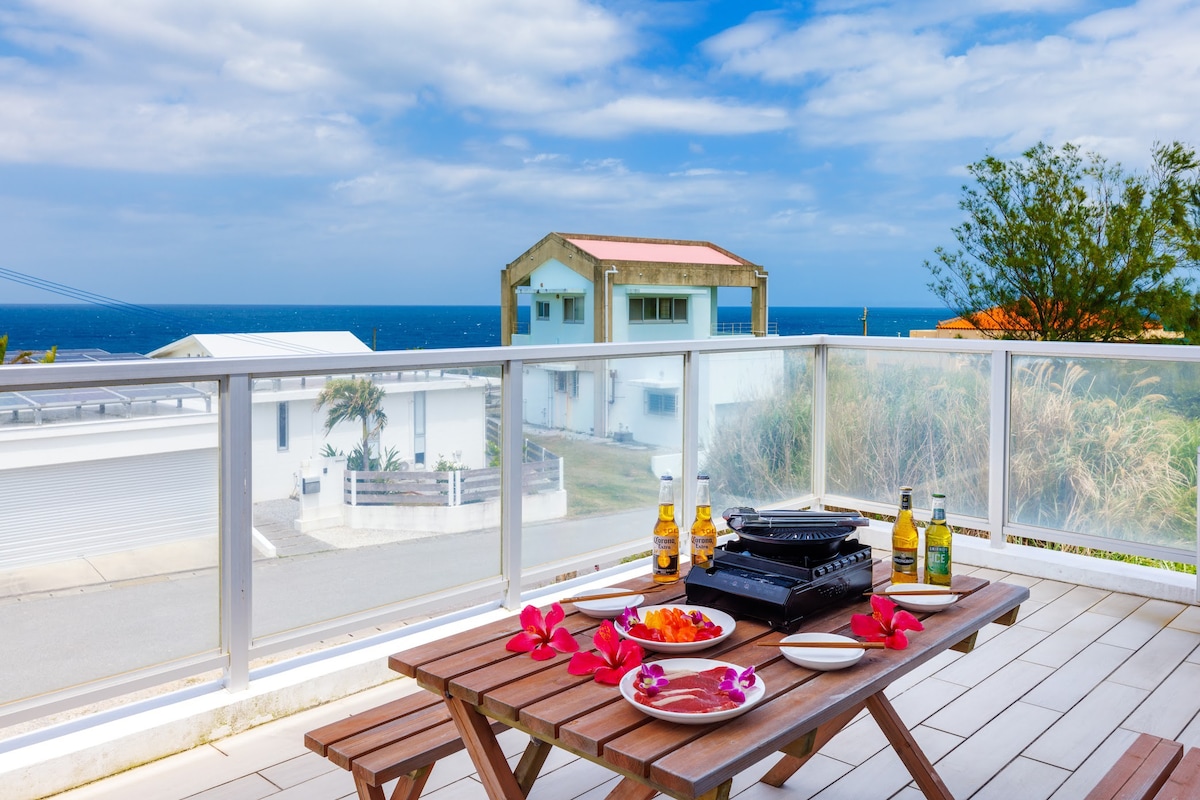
{"x":885,"y":624}
{"x":616,"y":657}
{"x":541,"y":637}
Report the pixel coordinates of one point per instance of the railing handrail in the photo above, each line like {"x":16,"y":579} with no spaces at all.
{"x":18,"y":377}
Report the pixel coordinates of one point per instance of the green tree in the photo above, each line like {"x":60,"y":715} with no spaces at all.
{"x":1076,"y":249}
{"x":355,"y":399}
{"x":25,"y":356}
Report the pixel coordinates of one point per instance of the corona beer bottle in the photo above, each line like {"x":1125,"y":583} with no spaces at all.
{"x":665,"y":546}
{"x":704,"y":532}
{"x":905,"y":541}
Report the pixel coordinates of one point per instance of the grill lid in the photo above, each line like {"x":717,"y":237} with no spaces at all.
{"x":792,"y":534}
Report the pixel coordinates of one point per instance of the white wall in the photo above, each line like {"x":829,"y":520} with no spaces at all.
{"x":551,"y":277}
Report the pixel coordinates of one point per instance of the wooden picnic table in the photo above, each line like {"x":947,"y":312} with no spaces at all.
{"x":482,"y":682}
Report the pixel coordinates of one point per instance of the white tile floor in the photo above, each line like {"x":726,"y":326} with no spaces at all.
{"x":1038,"y":710}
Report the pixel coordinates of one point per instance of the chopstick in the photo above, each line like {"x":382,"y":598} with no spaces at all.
{"x":607,"y":595}
{"x":848,"y":645}
{"x":920,"y":592}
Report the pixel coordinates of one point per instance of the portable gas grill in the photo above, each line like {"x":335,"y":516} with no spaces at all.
{"x":784,"y":566}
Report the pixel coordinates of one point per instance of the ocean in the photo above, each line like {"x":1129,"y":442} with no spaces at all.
{"x":142,"y":329}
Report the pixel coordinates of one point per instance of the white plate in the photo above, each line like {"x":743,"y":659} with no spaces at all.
{"x":669,"y":665}
{"x":929,"y":602}
{"x":607,"y":609}
{"x":726,"y":623}
{"x":822,"y":658}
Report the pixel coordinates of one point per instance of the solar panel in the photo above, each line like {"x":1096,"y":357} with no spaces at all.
{"x":67,"y":398}
{"x":162,"y":391}
{"x":44,"y":399}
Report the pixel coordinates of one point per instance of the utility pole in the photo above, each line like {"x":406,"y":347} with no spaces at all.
{"x":863,"y":319}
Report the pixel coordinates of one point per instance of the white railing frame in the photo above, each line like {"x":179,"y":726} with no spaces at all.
{"x":235,"y":377}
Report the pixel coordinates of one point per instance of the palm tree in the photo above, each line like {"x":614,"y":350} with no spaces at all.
{"x":25,"y":356}
{"x":355,"y":399}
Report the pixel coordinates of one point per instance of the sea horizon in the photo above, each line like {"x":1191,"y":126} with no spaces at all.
{"x":142,"y":329}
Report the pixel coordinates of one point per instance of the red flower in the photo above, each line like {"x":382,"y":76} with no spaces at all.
{"x":617,"y":656}
{"x":541,"y":636}
{"x":885,"y":624}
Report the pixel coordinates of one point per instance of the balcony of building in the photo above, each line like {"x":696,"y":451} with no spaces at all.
{"x":179,"y":606}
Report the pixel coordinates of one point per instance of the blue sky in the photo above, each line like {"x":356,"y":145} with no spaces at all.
{"x":363,"y":152}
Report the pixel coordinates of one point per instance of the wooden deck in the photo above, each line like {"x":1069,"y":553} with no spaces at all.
{"x":1038,"y":710}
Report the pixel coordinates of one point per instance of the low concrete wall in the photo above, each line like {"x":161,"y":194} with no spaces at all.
{"x":431,"y":519}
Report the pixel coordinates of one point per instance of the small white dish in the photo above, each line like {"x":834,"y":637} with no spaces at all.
{"x":918,"y":602}
{"x":822,"y":658}
{"x":719,"y":618}
{"x":606,"y":608}
{"x":677,"y":665}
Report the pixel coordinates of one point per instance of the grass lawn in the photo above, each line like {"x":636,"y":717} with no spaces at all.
{"x":602,"y":477}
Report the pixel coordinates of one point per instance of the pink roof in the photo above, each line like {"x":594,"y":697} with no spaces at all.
{"x":664,"y":253}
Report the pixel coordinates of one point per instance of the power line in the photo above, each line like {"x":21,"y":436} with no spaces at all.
{"x":132,"y":308}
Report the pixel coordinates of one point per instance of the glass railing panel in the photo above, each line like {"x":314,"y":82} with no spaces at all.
{"x":1105,"y":447}
{"x":109,"y":547}
{"x":755,"y":427}
{"x":338,"y":536}
{"x":615,"y":426}
{"x":909,"y":418}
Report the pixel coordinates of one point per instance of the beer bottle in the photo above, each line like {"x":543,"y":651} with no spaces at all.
{"x":665,"y":549}
{"x":905,"y":541}
{"x":704,"y":532}
{"x":938,"y":539}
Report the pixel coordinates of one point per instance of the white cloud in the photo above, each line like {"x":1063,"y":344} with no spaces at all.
{"x":649,"y":113}
{"x":250,"y":83}
{"x":901,"y":73}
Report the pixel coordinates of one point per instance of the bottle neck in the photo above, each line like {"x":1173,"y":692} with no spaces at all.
{"x":906,"y":502}
{"x":666,"y":493}
{"x":939,"y":509}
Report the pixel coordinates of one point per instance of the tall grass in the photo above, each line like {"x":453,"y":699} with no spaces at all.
{"x":909,"y":419}
{"x":761,"y":451}
{"x":1097,"y":449}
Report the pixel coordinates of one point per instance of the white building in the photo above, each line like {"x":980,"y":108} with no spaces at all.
{"x":583,"y":288}
{"x":88,"y":472}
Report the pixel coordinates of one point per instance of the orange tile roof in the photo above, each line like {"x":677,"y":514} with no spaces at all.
{"x":1000,"y":319}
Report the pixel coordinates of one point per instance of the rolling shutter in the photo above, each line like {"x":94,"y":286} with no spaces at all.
{"x":64,"y":511}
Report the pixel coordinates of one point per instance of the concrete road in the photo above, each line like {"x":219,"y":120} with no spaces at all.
{"x":54,"y":640}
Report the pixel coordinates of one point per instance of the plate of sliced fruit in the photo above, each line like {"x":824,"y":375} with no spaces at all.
{"x":675,"y":628}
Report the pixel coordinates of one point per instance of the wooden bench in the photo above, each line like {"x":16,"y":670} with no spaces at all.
{"x":1141,"y":771}
{"x":402,"y":740}
{"x":1184,"y":781}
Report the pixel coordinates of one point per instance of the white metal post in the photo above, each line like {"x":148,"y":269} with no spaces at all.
{"x":237,"y":519}
{"x":686,"y":496}
{"x":998,"y":433}
{"x":820,"y":422}
{"x":512,"y":438}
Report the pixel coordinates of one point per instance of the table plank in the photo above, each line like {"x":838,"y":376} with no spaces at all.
{"x":407,"y":661}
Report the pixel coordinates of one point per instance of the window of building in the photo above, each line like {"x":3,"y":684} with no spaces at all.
{"x":567,"y":383}
{"x":543,"y":309}
{"x":660,"y":402}
{"x":658,"y":309}
{"x":281,"y":426}
{"x":573,"y":309}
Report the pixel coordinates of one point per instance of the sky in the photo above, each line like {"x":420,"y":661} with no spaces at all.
{"x":403,"y":152}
